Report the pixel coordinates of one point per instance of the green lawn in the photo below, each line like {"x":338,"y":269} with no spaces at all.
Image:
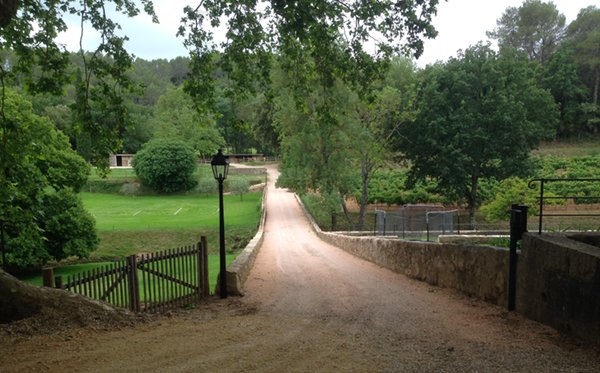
{"x":127,"y":213}
{"x":133,"y":224}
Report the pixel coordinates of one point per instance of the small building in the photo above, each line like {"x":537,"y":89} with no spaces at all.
{"x":121,"y":160}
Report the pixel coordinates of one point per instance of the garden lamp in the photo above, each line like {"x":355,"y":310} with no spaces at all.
{"x":220,"y":166}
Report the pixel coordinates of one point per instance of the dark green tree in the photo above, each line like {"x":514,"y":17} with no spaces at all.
{"x":562,"y":78}
{"x":332,"y":33}
{"x":43,"y":174}
{"x":479,"y":115}
{"x":583,"y":35}
{"x":167,"y":166}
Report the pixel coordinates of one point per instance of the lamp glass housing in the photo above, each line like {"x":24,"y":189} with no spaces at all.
{"x":220,"y":165}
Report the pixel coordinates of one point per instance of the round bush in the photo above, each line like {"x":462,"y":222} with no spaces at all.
{"x":166,"y":166}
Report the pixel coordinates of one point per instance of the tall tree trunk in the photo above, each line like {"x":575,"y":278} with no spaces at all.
{"x":346,"y":212}
{"x":367,"y":168}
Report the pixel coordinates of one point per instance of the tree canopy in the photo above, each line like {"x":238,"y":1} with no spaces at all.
{"x":479,"y":115}
{"x":332,"y":34}
{"x":42,"y":217}
{"x":535,"y":28}
{"x":175,"y":118}
{"x":29,"y":29}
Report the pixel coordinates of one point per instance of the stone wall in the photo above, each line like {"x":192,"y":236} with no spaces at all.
{"x":239,"y":270}
{"x":478,"y":271}
{"x":558,"y":275}
{"x":559,"y":283}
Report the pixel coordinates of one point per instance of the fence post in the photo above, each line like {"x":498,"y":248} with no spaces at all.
{"x":205,"y":285}
{"x":58,"y":282}
{"x":518,"y":225}
{"x":134,"y":286}
{"x":48,"y":277}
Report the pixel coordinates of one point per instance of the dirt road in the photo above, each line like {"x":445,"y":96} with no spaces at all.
{"x":312,"y":307}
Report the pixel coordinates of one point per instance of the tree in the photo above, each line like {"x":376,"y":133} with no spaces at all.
{"x":583,"y":34}
{"x":317,"y":152}
{"x":331,"y":33}
{"x":42,"y":217}
{"x":535,"y":28}
{"x":561,"y":77}
{"x":167,"y":166}
{"x":239,"y":186}
{"x":176,"y":118}
{"x":479,"y":115}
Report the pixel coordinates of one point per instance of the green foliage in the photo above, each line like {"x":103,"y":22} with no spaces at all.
{"x":583,"y":35}
{"x":41,"y":65}
{"x":167,"y":166}
{"x":206,"y":186}
{"x":39,"y":175}
{"x":330,"y":33}
{"x":570,"y":167}
{"x":535,"y":28}
{"x":562,"y":79}
{"x":510,"y":191}
{"x":176,"y":118}
{"x":389,"y":186}
{"x":479,"y":116}
{"x":68,"y":228}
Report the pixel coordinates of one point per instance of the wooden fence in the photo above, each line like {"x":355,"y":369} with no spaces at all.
{"x":147,"y":282}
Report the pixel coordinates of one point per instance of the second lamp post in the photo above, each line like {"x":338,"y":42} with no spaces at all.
{"x":220,"y":167}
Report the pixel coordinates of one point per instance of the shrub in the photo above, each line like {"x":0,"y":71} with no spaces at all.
{"x":70,"y":230}
{"x":510,"y":191}
{"x":166,"y":166}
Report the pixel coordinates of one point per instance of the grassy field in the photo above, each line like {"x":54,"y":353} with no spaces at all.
{"x":117,"y":212}
{"x":133,"y":224}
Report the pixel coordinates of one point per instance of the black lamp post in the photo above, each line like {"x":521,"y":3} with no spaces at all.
{"x":220,"y":167}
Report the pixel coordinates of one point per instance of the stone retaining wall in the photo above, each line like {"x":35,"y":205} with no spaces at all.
{"x":559,"y":283}
{"x":558,"y":275}
{"x":479,"y":271}
{"x":239,"y":270}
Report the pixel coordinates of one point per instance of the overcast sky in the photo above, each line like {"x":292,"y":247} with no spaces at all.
{"x":460,"y":23}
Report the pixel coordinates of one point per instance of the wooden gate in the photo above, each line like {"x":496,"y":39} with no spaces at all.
{"x":147,"y":282}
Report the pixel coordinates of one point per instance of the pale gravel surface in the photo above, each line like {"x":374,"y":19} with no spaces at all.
{"x":312,"y":307}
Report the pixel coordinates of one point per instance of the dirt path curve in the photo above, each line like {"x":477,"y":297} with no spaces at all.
{"x":313,"y":307}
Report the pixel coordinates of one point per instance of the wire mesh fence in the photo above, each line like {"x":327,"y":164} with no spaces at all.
{"x":417,"y":222}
